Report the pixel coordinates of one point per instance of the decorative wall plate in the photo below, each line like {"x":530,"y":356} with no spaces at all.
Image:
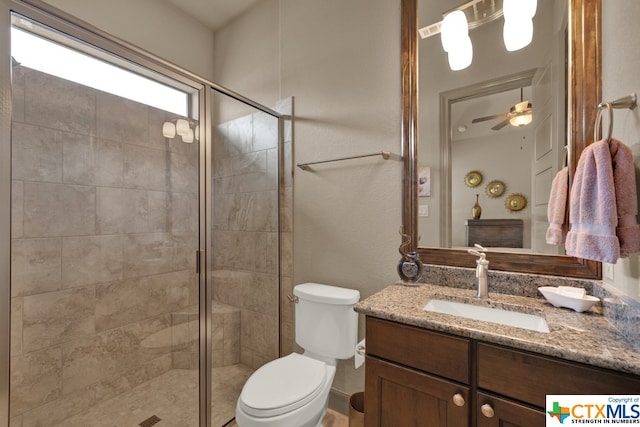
{"x":516,"y":202}
{"x":495,"y":189}
{"x":473,"y":179}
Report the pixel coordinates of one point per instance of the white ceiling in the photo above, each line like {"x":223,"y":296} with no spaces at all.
{"x":213,"y":13}
{"x":462,"y":113}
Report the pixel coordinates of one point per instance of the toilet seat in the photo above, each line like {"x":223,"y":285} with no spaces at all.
{"x":283,"y":385}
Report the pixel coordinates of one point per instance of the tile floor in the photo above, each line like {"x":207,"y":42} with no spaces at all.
{"x":173,"y":397}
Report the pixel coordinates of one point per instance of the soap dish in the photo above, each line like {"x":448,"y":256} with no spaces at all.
{"x":574,"y":298}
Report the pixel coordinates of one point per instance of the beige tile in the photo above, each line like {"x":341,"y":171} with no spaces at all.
{"x":17,"y":93}
{"x":132,"y":300}
{"x":152,"y":253}
{"x":15,"y":421}
{"x":240,"y":135}
{"x":90,"y":260}
{"x":286,"y":170}
{"x":80,"y":364}
{"x":54,"y":413}
{"x":260,"y":294}
{"x":121,"y":210}
{"x":123,"y":120}
{"x":79,"y":158}
{"x":59,"y":104}
{"x":36,"y":266}
{"x":248,"y":163}
{"x":52,"y":318}
{"x":286,"y":254}
{"x":16,"y":326}
{"x":273,"y":168}
{"x":173,"y":211}
{"x":227,"y":286}
{"x":36,"y":154}
{"x":263,"y":212}
{"x":183,"y":173}
{"x":286,"y":209}
{"x":58,"y":210}
{"x":265,"y":132}
{"x":109,"y":163}
{"x":36,"y":378}
{"x":267,"y":253}
{"x":145,"y":168}
{"x":131,"y":346}
{"x":260,"y":334}
{"x":128,"y":380}
{"x":17,"y":209}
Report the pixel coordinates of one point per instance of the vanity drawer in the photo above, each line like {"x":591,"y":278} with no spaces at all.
{"x":529,"y":378}
{"x":432,"y":352}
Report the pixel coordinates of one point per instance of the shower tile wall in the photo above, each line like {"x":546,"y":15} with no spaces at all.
{"x":245,"y":210}
{"x":104,"y":229}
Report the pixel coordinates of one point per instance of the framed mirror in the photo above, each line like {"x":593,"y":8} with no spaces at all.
{"x":583,"y":62}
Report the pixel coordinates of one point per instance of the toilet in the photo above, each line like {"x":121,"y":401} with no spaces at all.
{"x":293,"y":391}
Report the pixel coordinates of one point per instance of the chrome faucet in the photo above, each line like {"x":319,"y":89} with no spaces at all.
{"x":482,"y":267}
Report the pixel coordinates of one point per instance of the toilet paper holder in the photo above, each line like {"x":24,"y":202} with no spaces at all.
{"x":360,"y":349}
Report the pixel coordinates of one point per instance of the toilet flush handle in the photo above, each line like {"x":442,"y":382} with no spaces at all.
{"x":292,"y":298}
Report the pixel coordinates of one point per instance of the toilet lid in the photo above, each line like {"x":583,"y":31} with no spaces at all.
{"x":283,"y":385}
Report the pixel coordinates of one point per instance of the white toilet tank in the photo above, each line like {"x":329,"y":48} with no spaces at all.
{"x":326,"y":323}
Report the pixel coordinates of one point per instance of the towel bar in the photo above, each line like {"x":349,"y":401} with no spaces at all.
{"x":628,"y":102}
{"x":385,"y":155}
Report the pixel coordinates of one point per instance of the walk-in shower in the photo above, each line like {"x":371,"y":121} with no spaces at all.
{"x":145,"y":264}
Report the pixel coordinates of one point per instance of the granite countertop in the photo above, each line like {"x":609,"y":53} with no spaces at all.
{"x":586,"y":337}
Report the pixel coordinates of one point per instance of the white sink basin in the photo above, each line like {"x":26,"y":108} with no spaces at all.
{"x":489,"y":314}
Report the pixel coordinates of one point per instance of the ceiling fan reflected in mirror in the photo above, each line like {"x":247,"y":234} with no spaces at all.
{"x":521,"y":114}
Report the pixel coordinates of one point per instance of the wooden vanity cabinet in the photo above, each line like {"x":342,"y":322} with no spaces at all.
{"x":417,"y":377}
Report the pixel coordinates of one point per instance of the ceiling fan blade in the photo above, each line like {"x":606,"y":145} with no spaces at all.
{"x":501,"y":124}
{"x":484,"y":119}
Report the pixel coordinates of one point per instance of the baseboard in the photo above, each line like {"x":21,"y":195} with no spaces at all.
{"x":339,"y":401}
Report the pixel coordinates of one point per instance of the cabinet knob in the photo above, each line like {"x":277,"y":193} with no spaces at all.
{"x":487,"y":410}
{"x":458,"y":400}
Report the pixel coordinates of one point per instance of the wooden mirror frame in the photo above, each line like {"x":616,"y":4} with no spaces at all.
{"x":584,"y":59}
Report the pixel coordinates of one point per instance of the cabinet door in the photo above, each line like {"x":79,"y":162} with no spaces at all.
{"x":493,"y":411}
{"x":396,"y":396}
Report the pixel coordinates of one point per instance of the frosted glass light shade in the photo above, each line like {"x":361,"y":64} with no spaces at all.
{"x":461,"y":57}
{"x":188,"y":138}
{"x":168,"y":130}
{"x":523,"y":120}
{"x":454,"y":30}
{"x":182,"y":127}
{"x":517,"y":33}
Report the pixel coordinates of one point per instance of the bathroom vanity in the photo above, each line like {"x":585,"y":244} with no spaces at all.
{"x":425,"y":368}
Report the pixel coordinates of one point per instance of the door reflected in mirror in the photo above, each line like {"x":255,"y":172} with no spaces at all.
{"x":503,"y":116}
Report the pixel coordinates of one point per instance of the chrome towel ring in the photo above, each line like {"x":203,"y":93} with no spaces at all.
{"x":628,"y":102}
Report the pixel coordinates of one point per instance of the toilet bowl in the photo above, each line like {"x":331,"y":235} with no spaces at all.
{"x":293,"y":391}
{"x":290,"y":391}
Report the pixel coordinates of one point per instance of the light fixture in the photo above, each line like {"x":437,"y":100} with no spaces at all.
{"x":455,"y":40}
{"x":182,"y":127}
{"x":188,"y":138}
{"x":523,"y":115}
{"x":168,"y":130}
{"x":518,"y":23}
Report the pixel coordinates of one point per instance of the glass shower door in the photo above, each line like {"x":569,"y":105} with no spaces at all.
{"x":105,"y":228}
{"x":245,"y":251}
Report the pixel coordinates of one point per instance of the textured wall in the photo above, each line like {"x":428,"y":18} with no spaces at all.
{"x":155,"y":26}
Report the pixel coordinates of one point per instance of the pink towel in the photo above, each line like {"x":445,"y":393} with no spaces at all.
{"x":597,"y":232}
{"x":557,"y":208}
{"x":624,"y":178}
